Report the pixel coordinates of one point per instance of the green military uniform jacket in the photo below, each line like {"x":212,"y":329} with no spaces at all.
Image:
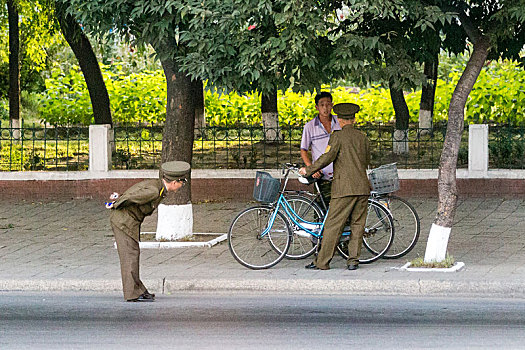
{"x":349,"y":150}
{"x":139,"y":201}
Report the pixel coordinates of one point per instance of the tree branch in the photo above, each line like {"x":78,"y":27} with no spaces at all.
{"x":470,"y":28}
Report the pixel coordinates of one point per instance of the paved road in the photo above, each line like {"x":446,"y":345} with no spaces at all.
{"x":257,"y":321}
{"x":68,"y":245}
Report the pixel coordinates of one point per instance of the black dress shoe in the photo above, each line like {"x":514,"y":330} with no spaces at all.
{"x":311,"y":266}
{"x":352,"y":267}
{"x":144,"y":297}
{"x":148,"y":294}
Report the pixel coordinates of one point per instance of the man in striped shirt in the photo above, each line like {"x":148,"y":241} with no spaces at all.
{"x":316,"y":134}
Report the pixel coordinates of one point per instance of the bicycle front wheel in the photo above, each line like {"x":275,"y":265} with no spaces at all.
{"x":250,"y":247}
{"x":406,"y":225}
{"x":303,"y":244}
{"x":378,"y":236}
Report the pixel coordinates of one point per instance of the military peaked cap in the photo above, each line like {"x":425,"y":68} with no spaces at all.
{"x":346,"y":110}
{"x":172,"y":171}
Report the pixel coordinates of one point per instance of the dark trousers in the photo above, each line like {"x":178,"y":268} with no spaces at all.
{"x":325,"y":187}
{"x":353,"y":208}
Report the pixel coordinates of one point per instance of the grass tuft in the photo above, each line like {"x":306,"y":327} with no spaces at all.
{"x":419,"y":262}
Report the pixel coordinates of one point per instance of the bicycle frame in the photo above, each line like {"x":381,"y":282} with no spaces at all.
{"x":314,"y":229}
{"x":323,"y":206}
{"x":374,"y":197}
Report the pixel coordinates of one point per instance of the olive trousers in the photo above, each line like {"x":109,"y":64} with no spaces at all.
{"x":354,"y":209}
{"x":129,"y":255}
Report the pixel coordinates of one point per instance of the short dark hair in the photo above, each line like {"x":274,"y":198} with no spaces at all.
{"x":321,"y":95}
{"x":346,"y":117}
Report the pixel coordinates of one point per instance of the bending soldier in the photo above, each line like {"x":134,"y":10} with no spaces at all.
{"x":128,"y":213}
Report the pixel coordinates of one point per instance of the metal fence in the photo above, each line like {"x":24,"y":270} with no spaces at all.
{"x":248,"y":147}
{"x":506,"y":147}
{"x":39,"y":147}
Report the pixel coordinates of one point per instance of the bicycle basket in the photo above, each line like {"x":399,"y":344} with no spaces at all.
{"x":384,"y":179}
{"x":266,"y":188}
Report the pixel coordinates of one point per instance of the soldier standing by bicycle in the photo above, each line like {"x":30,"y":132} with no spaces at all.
{"x":349,"y":151}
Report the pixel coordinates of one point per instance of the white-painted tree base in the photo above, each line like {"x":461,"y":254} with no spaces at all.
{"x":271,"y":125}
{"x":400,"y":142}
{"x":15,"y":125}
{"x":437,"y":243}
{"x":174,"y":222}
{"x":425,"y":119}
{"x":454,"y":268}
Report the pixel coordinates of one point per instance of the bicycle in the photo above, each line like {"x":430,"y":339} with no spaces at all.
{"x":261,"y":236}
{"x":385,"y":181}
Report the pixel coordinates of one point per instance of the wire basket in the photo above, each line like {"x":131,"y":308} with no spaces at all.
{"x":266,"y":188}
{"x":384,"y":179}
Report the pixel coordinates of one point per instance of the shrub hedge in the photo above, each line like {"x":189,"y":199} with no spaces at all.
{"x":133,"y":96}
{"x":498,"y":96}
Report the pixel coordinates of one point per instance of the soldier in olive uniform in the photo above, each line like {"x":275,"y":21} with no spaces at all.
{"x":128,"y":213}
{"x":349,"y":150}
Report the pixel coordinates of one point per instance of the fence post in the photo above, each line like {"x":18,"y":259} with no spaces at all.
{"x":100,"y":147}
{"x":478,"y":150}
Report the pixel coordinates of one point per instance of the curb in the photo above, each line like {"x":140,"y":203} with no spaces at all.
{"x":296,"y":286}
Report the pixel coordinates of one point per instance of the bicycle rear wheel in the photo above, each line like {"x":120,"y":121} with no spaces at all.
{"x":406,"y":225}
{"x":378,"y":237}
{"x":303,"y":244}
{"x":247,"y":244}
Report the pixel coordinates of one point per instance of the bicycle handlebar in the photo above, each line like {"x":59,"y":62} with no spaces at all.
{"x":295,"y":169}
{"x":287,"y":167}
{"x":292,"y":166}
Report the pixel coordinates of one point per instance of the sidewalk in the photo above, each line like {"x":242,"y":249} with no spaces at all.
{"x":68,"y":245}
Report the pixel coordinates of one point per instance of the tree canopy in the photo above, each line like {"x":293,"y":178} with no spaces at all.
{"x":259,"y":45}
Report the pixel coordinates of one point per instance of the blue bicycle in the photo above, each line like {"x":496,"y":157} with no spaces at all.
{"x":261,"y":236}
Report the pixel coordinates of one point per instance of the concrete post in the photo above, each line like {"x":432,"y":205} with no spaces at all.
{"x":100,"y":147}
{"x":478,"y":150}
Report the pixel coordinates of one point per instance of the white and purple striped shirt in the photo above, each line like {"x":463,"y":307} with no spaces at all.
{"x":315,"y":139}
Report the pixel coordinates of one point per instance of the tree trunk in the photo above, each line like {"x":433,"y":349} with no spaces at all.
{"x":428,"y":91}
{"x":270,"y":117}
{"x":402,"y":117}
{"x":175,"y":215}
{"x":87,"y":60}
{"x":200,"y":118}
{"x":14,"y":69}
{"x":447,"y":190}
{"x":177,"y":141}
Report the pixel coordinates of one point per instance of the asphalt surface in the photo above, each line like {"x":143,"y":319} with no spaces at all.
{"x":68,"y":246}
{"x":215,"y":320}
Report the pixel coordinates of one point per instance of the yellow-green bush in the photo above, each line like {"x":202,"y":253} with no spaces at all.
{"x":135,"y":97}
{"x":498,"y":96}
